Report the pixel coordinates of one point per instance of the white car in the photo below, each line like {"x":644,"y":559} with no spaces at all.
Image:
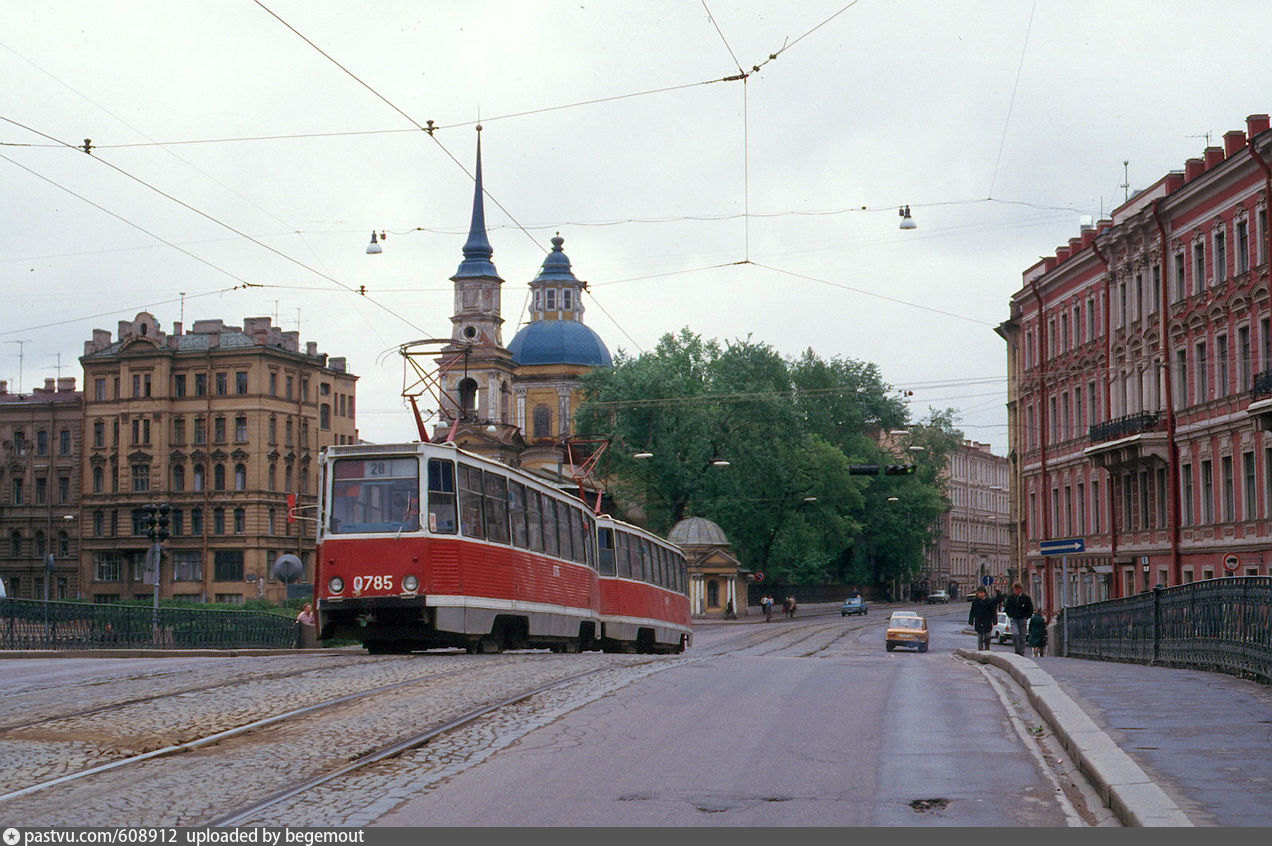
{"x":1002,"y":629}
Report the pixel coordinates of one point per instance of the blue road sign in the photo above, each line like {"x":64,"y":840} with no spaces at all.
{"x":987,"y":580}
{"x":1062,"y":546}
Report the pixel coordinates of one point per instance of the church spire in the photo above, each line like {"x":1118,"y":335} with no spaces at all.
{"x":477,"y":249}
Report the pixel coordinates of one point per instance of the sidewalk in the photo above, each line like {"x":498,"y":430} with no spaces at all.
{"x":1165,"y":747}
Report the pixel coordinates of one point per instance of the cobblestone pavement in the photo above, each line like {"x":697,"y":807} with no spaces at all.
{"x":198,"y":785}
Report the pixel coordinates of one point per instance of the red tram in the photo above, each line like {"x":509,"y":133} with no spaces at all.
{"x":424,"y":545}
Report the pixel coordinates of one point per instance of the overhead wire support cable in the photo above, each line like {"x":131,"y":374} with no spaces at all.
{"x":212,"y":219}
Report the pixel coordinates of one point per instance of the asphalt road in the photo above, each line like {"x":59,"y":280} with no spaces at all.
{"x":794,"y":723}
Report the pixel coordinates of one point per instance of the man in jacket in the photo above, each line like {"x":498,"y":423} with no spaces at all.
{"x":982,"y":616}
{"x":1019,"y":608}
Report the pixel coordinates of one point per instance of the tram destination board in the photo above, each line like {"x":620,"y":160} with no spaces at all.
{"x":1062,"y":546}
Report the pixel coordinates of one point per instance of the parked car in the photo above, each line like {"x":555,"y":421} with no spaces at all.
{"x":1002,"y":629}
{"x":938,"y":596}
{"x":906,"y":630}
{"x":854,"y":605}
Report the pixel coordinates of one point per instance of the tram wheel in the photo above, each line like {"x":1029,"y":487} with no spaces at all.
{"x":490,"y":645}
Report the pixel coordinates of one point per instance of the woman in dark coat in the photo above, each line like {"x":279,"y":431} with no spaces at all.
{"x":1037,"y":637}
{"x":982,"y":616}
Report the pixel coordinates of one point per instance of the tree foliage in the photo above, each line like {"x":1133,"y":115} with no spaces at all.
{"x":789,"y":430}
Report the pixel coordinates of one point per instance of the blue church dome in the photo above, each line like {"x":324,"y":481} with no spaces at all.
{"x":559,"y":342}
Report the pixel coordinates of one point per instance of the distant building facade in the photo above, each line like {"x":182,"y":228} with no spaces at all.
{"x":974,"y":538}
{"x":40,"y":447}
{"x":1140,"y":386}
{"x":222,"y":423}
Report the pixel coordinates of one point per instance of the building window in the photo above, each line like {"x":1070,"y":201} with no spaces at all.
{"x":273,"y":476}
{"x":1199,"y":267}
{"x":140,"y":478}
{"x":196,"y":521}
{"x":187,"y":565}
{"x":542,"y":421}
{"x":1243,"y":246}
{"x":200,"y":430}
{"x":218,"y":430}
{"x":1207,"y":492}
{"x":1181,"y":284}
{"x":99,"y":390}
{"x":218,"y":521}
{"x":324,"y":416}
{"x":1221,"y":256}
{"x":107,"y":567}
{"x":271,"y":524}
{"x":178,"y":385}
{"x":1229,"y":490}
{"x":200,"y":384}
{"x":240,"y":429}
{"x":273,"y":384}
{"x":99,"y":524}
{"x":15,"y":544}
{"x":1203,"y":375}
{"x":240,"y":382}
{"x":240,"y":521}
{"x":550,"y":298}
{"x":1221,"y":365}
{"x":99,"y":434}
{"x":273,"y":429}
{"x":222,"y":384}
{"x":42,"y":442}
{"x":228,"y":566}
{"x":63,"y":551}
{"x":198,"y":478}
{"x":18,"y":492}
{"x":1249,"y":507}
{"x":63,"y":489}
{"x":218,"y":477}
{"x":19,"y":443}
{"x":41,"y":490}
{"x":240,"y":477}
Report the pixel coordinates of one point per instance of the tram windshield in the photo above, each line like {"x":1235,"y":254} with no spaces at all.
{"x":375,"y":495}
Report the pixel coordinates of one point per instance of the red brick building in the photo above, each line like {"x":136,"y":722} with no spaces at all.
{"x":1140,"y":386}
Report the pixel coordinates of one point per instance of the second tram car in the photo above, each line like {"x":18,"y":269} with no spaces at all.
{"x":425,"y":545}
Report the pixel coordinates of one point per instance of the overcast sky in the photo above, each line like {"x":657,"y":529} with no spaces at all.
{"x":237,"y":171}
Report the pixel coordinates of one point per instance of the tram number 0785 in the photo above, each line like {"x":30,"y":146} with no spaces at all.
{"x":361,"y":583}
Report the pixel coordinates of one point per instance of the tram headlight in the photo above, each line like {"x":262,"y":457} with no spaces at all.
{"x":336,"y":585}
{"x":410,"y":584}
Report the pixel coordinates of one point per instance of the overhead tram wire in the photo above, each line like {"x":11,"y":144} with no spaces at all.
{"x":218,"y":222}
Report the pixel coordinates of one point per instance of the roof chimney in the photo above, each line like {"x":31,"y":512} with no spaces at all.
{"x":1214,"y":156}
{"x":1256,"y":124}
{"x":1193,"y":168}
{"x":1233,"y":142}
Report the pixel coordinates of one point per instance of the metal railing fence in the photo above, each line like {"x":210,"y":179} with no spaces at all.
{"x":35,"y":624}
{"x":1217,"y":625}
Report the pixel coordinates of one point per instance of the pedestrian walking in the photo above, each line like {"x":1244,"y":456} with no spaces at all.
{"x":982,"y":616}
{"x":1038,"y":634}
{"x":766,"y":603}
{"x":1019,"y":608}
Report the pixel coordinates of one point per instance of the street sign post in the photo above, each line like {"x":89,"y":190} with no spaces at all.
{"x":1063,"y":547}
{"x":987,"y":581}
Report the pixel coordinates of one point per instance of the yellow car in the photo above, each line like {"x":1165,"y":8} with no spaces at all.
{"x":907,"y":630}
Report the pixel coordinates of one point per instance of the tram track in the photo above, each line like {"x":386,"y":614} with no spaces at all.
{"x":45,"y":718}
{"x":301,"y":748}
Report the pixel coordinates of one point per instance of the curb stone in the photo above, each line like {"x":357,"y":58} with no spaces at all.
{"x":1126,"y":789}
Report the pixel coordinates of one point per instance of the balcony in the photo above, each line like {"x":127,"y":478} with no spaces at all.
{"x":1127,"y":441}
{"x":1260,"y":408}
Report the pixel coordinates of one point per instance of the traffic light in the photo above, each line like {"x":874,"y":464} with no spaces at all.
{"x":151,"y":520}
{"x":161,"y":524}
{"x":899,"y":469}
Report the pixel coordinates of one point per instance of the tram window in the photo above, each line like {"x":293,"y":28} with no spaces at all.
{"x":517,"y":513}
{"x":441,"y":496}
{"x":605,"y":547}
{"x":646,"y":561}
{"x":470,"y":496}
{"x":622,"y":568}
{"x":496,"y":508}
{"x":375,"y":495}
{"x":550,"y":545}
{"x":577,"y":522}
{"x":563,"y":531}
{"x":534,"y":521}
